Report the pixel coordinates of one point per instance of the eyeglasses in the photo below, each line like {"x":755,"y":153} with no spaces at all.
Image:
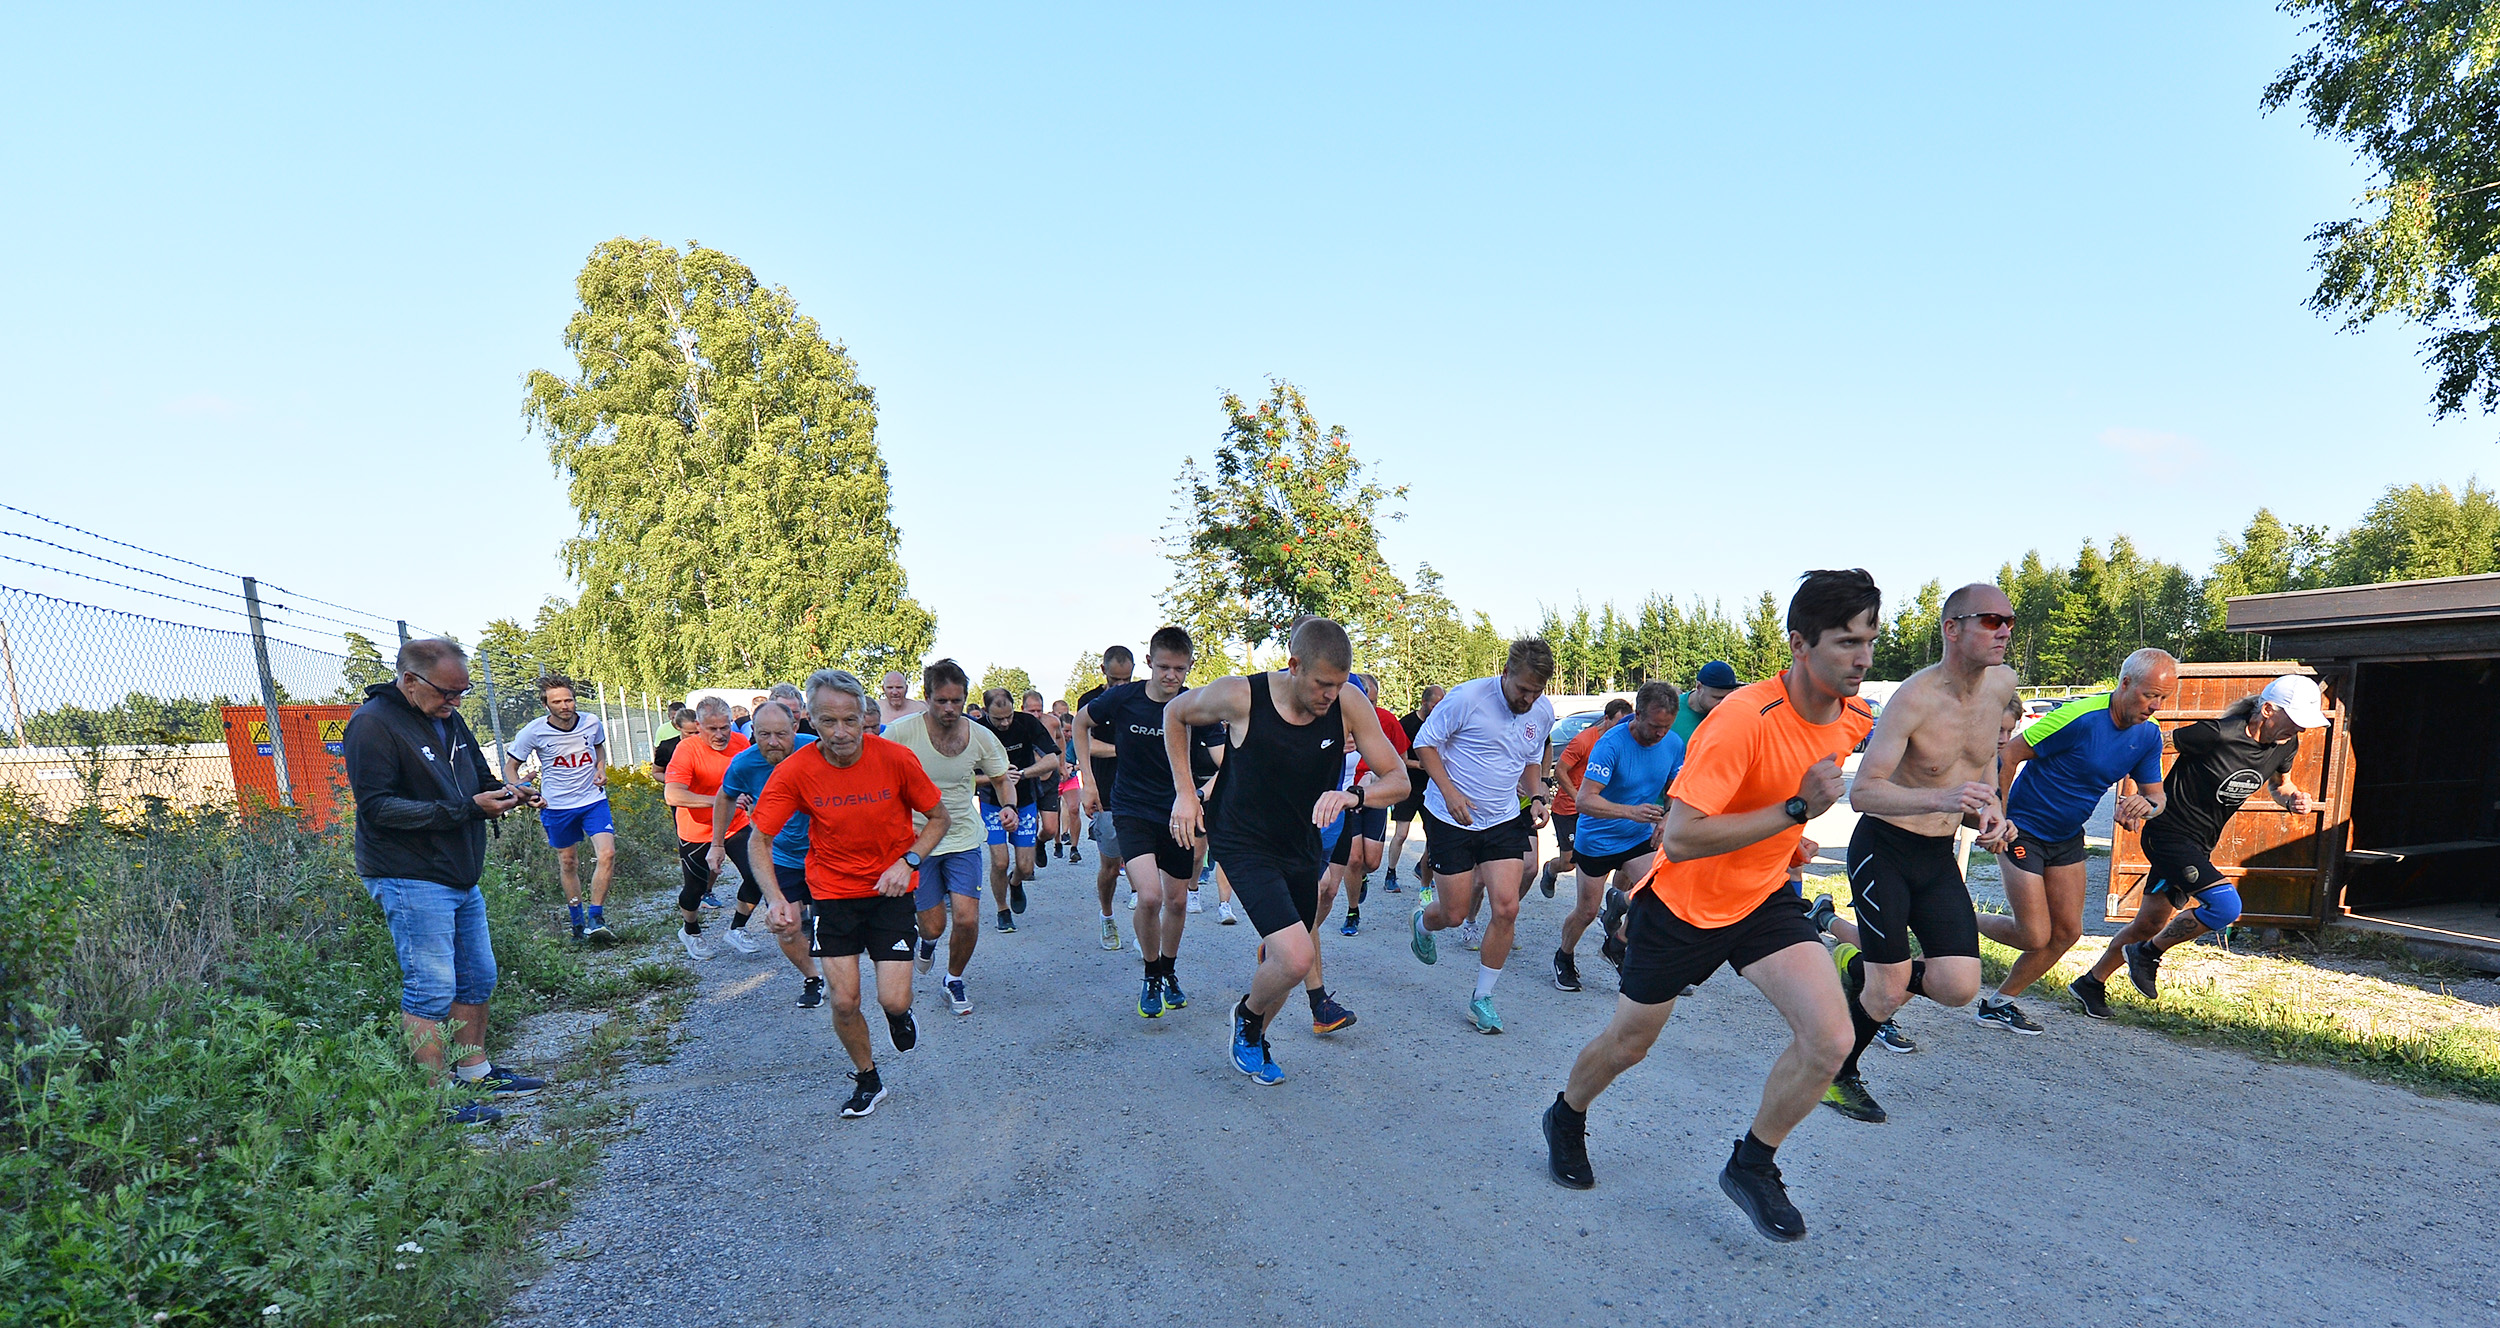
{"x":1994,"y":622}
{"x":448,"y":694}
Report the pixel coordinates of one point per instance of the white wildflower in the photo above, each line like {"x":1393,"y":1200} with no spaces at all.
{"x":409,"y":1248}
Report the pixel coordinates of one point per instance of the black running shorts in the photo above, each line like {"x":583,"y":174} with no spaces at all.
{"x":1565,"y":825}
{"x":1277,"y":893}
{"x":2035,"y":855}
{"x":1141,"y":838}
{"x":880,"y":926}
{"x":1412,"y":805}
{"x":1664,"y":954}
{"x":1046,"y":798}
{"x":1906,"y":885}
{"x":1599,"y":866}
{"x":1452,"y":849}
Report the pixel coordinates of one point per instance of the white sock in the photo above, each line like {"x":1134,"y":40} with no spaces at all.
{"x":470,"y":1074}
{"x":1485,"y":978}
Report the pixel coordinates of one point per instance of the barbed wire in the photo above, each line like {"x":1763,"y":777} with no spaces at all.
{"x":266,"y":604}
{"x":142,"y":590}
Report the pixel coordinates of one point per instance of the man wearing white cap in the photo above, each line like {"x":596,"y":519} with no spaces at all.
{"x":2221,"y":762}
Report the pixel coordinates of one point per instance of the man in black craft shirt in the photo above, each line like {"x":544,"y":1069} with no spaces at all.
{"x":1098,"y":763}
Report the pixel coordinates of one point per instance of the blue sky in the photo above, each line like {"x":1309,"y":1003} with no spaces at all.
{"x":1631,"y":300}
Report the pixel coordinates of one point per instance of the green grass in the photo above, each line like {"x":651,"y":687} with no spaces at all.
{"x":2278,"y":1006}
{"x":211,"y":1116}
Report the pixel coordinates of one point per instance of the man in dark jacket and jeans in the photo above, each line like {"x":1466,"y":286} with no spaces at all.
{"x":423,"y":796}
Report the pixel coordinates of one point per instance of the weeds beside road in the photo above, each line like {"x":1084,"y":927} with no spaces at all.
{"x":212,"y":1116}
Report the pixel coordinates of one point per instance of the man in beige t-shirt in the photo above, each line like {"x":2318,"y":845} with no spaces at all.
{"x":956,"y":754}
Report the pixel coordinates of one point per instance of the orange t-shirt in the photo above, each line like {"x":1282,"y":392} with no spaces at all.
{"x":859,"y":816}
{"x":701,"y":770}
{"x":1749,"y":756}
{"x":1573,"y":763}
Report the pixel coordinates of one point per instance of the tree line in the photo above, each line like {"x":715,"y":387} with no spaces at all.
{"x":1285,"y":520}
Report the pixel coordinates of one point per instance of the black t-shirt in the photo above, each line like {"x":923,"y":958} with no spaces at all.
{"x":1413,"y":723}
{"x":2217,"y":769}
{"x":1144,"y":786}
{"x":664,"y":753}
{"x":1026,"y":742}
{"x":1104,"y":768}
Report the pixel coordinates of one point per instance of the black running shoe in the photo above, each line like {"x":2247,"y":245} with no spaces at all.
{"x":2144,"y":969}
{"x":1566,"y":971}
{"x":1763,"y":1196}
{"x":1015,"y":896}
{"x":1823,"y":913}
{"x":1889,"y":1036}
{"x":906,"y":1034}
{"x":2008,"y":1016}
{"x":1006,"y":920}
{"x":1076,"y":855}
{"x":867,"y":1090}
{"x":1545,"y":882}
{"x":1058,"y":848}
{"x":1849,"y":1097}
{"x":812,"y":994}
{"x":1567,"y":1148}
{"x":1609,"y":922}
{"x":2091,"y":994}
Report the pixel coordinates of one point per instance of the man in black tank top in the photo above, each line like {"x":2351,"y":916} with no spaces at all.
{"x":1289,"y":737}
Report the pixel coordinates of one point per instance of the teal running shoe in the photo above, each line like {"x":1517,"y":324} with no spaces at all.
{"x":1481,"y":1011}
{"x":1420,"y":940}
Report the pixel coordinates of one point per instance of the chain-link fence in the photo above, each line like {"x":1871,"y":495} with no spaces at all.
{"x":107,"y":705}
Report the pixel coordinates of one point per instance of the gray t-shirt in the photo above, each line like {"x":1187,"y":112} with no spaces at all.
{"x":1483,"y":748}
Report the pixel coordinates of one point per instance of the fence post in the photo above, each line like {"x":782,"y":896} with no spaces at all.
{"x":268,"y":692}
{"x":17,"y":714}
{"x":403,"y":642}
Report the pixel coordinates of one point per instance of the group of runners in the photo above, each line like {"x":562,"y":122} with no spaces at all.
{"x":1682,"y":818}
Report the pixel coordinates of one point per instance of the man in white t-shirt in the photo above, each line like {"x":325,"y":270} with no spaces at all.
{"x":1484,"y":751}
{"x":571,"y":749}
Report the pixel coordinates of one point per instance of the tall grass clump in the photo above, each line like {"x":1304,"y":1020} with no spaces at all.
{"x":210,"y":1114}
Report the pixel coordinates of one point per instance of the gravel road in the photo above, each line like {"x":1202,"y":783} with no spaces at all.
{"x":1053,"y":1159}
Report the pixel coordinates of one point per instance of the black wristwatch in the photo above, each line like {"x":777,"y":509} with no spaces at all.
{"x":1796,"y":810}
{"x":1358,"y":797}
{"x":911,"y":860}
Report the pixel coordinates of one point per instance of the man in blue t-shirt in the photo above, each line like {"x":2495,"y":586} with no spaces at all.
{"x":775,"y":729}
{"x":1623,"y":801}
{"x":2068,"y":758}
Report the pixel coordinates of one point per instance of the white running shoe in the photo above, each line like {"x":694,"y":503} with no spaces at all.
{"x":927,"y":957}
{"x":697,"y":948}
{"x":1471,"y":935}
{"x":1194,"y":905}
{"x":743,"y":943}
{"x":956,"y":998}
{"x":1110,"y":934}
{"x":1225,"y":911}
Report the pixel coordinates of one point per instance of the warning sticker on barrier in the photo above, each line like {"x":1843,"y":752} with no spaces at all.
{"x":334,"y":736}
{"x":260,"y":737}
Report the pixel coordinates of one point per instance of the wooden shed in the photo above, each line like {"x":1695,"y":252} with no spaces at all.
{"x":2407,"y":840}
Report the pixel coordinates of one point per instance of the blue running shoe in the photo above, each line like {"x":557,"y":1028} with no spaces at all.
{"x":1353,"y":923}
{"x":508,"y":1083}
{"x":1392,"y":882}
{"x":1173,"y":997}
{"x":474,"y":1113}
{"x":1150,"y":999}
{"x":1250,"y":1055}
{"x":1420,"y":940}
{"x":711,"y":900}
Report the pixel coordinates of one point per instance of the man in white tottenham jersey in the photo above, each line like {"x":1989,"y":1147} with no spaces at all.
{"x":572,"y":752}
{"x":1484,"y":751}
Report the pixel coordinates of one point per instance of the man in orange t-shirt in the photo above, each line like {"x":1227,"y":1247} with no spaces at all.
{"x":1569,"y":765}
{"x":1767,"y":763}
{"x":690,"y":785}
{"x":858,"y":792}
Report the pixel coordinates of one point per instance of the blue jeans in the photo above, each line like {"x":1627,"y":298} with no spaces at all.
{"x":445,"y":957}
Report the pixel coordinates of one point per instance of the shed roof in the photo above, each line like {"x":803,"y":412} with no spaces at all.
{"x":2443,"y":615}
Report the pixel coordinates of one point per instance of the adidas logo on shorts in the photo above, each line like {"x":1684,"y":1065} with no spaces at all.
{"x":903,"y":946}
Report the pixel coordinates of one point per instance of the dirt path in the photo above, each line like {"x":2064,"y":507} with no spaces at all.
{"x":1052,"y":1159}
